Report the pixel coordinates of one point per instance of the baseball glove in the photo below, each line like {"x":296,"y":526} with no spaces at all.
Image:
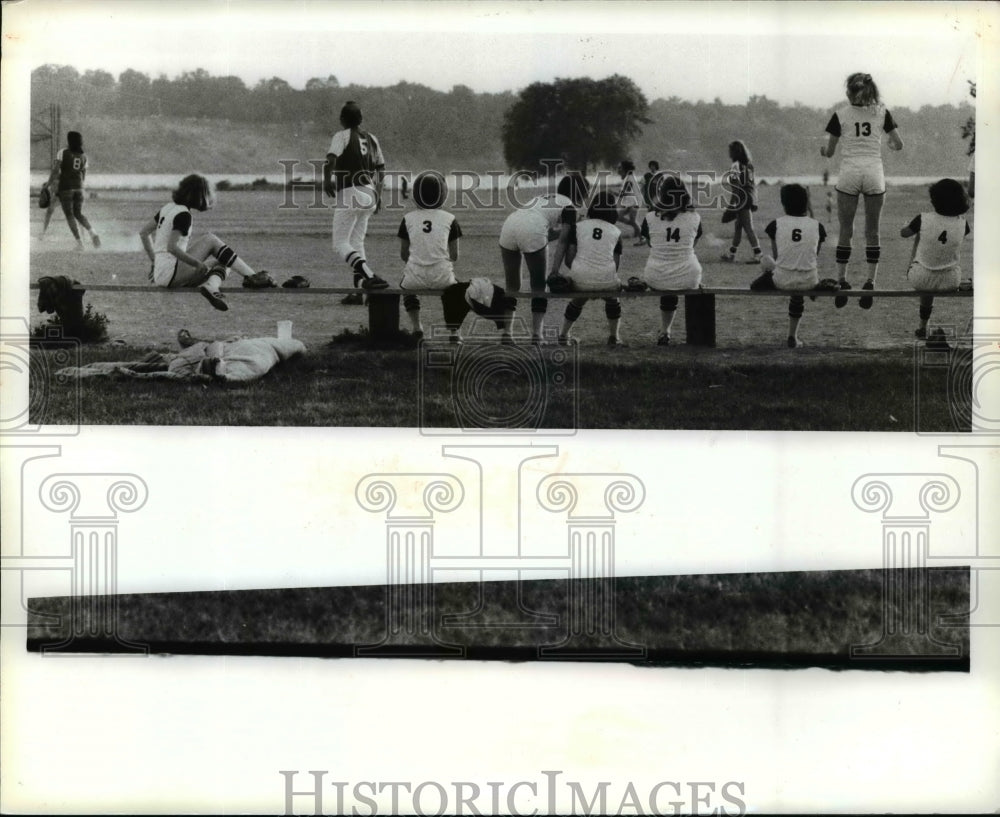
{"x":559,"y":283}
{"x":635,"y":285}
{"x":828,"y":285}
{"x":45,"y":197}
{"x":296,"y":282}
{"x":259,"y":280}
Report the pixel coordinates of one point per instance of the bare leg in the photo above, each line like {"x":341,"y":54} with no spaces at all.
{"x":538,"y":264}
{"x":847,"y":206}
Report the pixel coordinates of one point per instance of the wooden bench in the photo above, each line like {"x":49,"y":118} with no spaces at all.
{"x":699,"y":304}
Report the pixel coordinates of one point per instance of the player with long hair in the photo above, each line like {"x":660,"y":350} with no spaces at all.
{"x":671,"y":230}
{"x":858,"y":128}
{"x":743,"y":201}
{"x":178,"y":261}
{"x":69,"y":171}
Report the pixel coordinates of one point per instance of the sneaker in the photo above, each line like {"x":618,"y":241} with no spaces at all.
{"x":506,"y":340}
{"x":663,"y":339}
{"x":79,"y":245}
{"x":418,"y":335}
{"x":96,"y":239}
{"x":186,"y":339}
{"x":615,"y":341}
{"x":794,"y":343}
{"x":455,"y":340}
{"x":865,"y":302}
{"x":216,"y":299}
{"x":841,"y":301}
{"x":353,"y":299}
{"x":920,"y":333}
{"x":938,"y":341}
{"x":374,"y":283}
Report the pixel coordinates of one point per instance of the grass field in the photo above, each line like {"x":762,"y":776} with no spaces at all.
{"x":856,"y":372}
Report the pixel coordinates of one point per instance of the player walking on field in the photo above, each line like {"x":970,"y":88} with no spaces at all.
{"x":671,"y":230}
{"x":428,"y":243}
{"x":937,"y":245}
{"x":629,"y":198}
{"x":593,"y":253}
{"x":795,"y":241}
{"x":859,"y":128}
{"x":179,"y":262}
{"x":69,"y":171}
{"x":353,"y":175}
{"x":743,"y":201}
{"x":527,"y":232}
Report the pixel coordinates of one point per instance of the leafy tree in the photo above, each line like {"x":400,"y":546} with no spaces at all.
{"x":969,"y":128}
{"x":581,"y":120}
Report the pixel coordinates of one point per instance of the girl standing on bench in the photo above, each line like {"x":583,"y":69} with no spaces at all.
{"x":859,"y":126}
{"x":179,"y":262}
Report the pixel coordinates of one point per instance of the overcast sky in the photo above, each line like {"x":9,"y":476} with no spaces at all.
{"x":919,"y":53}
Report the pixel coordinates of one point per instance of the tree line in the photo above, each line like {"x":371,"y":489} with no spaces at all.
{"x":588,"y":123}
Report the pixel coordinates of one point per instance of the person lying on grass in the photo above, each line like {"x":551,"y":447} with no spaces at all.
{"x":176,"y":261}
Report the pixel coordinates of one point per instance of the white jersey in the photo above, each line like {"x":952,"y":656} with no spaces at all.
{"x":860,"y":129}
{"x":797,"y":239}
{"x":169,"y":218}
{"x":597,"y":242}
{"x":940,"y":240}
{"x":671,"y":243}
{"x":554,"y":208}
{"x":429,"y":233}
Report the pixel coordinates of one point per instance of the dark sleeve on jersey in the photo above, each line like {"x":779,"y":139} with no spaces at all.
{"x":618,"y":247}
{"x":822,"y":236}
{"x":568,"y":215}
{"x":697,"y":235}
{"x":644,"y":229}
{"x":572,"y":234}
{"x":182,"y":223}
{"x":771,"y":230}
{"x":968,"y":229}
{"x":403,"y":233}
{"x":914,"y":226}
{"x":455,"y":232}
{"x":833,"y":126}
{"x":889,"y":124}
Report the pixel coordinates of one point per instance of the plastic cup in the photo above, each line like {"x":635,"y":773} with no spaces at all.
{"x":284,"y":330}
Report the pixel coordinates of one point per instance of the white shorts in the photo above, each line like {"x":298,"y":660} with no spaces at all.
{"x":428,"y":276}
{"x":164,"y":268}
{"x":790,"y":278}
{"x":861,"y":180}
{"x":588,"y":278}
{"x":686,"y":276}
{"x":934,"y":280}
{"x":524,"y":231}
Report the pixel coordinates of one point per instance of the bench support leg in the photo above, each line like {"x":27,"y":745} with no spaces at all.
{"x":383,"y":316}
{"x":699,"y":319}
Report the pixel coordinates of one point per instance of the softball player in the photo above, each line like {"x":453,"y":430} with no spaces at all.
{"x":593,"y":253}
{"x":66,"y":183}
{"x":353,"y":175}
{"x":428,"y":243}
{"x":671,"y":230}
{"x":527,"y":231}
{"x":629,"y":198}
{"x":795,"y":241}
{"x":743,"y":201}
{"x":859,"y":126}
{"x":935,"y":261}
{"x":176,"y":261}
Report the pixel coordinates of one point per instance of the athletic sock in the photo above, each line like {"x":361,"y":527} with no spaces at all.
{"x":359,"y":265}
{"x":230,"y":260}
